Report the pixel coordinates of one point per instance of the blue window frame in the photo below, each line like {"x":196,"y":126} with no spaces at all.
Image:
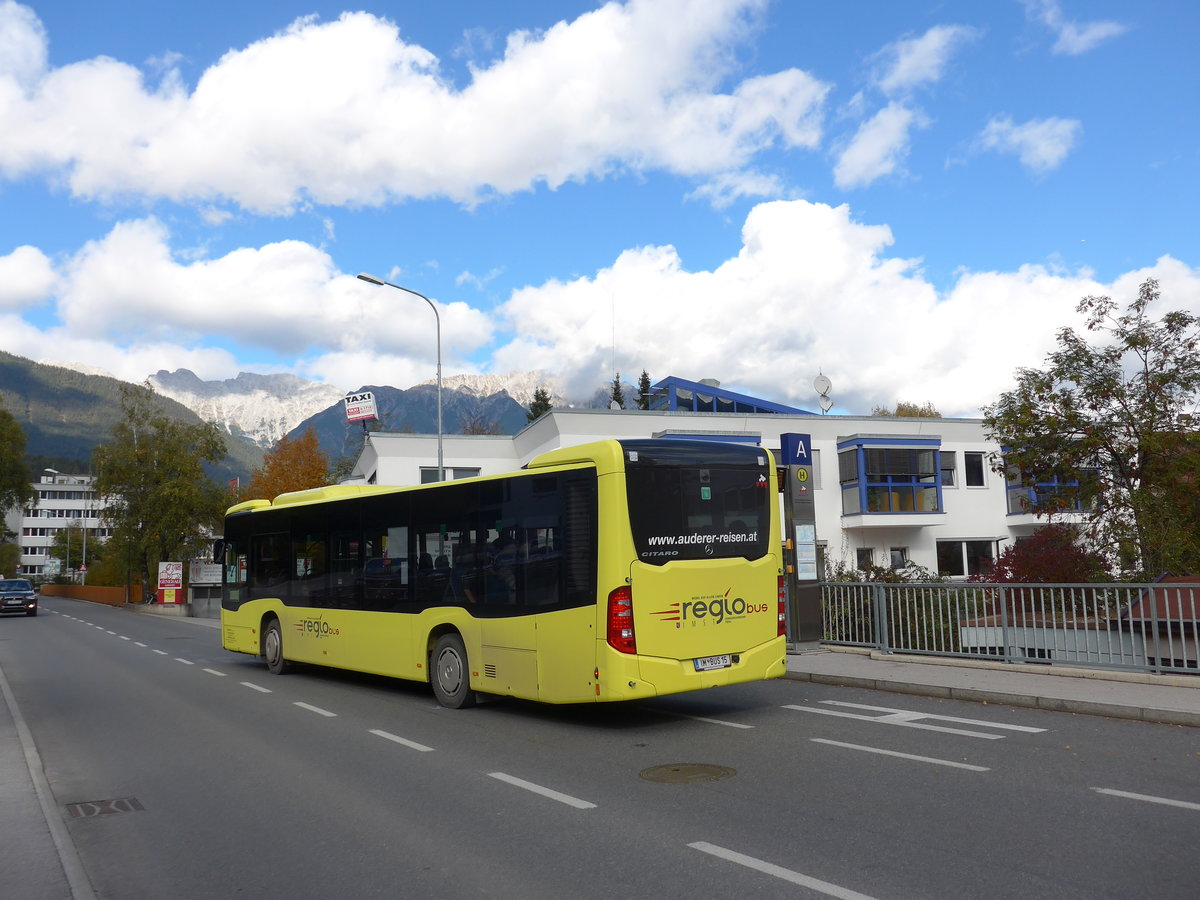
{"x":1057,"y":494}
{"x":889,"y":476}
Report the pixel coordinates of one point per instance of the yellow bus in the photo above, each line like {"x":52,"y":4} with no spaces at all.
{"x":607,"y":571}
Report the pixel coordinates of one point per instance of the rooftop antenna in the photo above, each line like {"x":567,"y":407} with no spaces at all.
{"x":823,"y":386}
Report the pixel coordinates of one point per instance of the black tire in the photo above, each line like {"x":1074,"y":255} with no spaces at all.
{"x":450,"y":673}
{"x":272,"y":646}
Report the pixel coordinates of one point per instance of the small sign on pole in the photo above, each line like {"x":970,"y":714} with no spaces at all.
{"x":360,"y":407}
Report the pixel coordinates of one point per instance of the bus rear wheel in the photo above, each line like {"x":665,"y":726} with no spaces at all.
{"x":273,"y":648}
{"x":450,"y":673}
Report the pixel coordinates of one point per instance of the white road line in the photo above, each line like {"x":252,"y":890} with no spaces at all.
{"x":925,"y":759}
{"x":186,"y":662}
{"x":162,"y":652}
{"x":1165,"y":801}
{"x":255,"y":687}
{"x":110,"y":632}
{"x":678,"y":715}
{"x":890,"y":720}
{"x":907,"y":713}
{"x":316,"y":709}
{"x":126,"y":638}
{"x":139,"y":643}
{"x":767,"y":868}
{"x":215,"y":672}
{"x":399,"y":740}
{"x":544,"y":791}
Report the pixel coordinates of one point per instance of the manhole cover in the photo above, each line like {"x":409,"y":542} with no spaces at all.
{"x":687,"y":773}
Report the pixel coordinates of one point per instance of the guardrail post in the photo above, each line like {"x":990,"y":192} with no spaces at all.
{"x":1004,"y":636}
{"x":879,"y":601}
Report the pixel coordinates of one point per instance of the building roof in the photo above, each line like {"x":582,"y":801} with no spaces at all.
{"x":679,"y":394}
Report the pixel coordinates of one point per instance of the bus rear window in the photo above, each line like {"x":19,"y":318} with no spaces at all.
{"x":680,"y":511}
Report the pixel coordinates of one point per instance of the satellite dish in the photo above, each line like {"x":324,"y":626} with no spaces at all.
{"x":823,"y":385}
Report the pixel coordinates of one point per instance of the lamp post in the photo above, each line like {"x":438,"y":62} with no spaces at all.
{"x":371,"y":279}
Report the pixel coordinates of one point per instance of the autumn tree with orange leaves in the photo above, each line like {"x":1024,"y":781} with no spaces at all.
{"x":291,"y":465}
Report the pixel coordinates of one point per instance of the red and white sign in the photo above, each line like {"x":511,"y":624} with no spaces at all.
{"x":170,"y":581}
{"x":170,"y":575}
{"x":360,"y":406}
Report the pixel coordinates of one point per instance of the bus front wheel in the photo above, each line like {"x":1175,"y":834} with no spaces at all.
{"x":273,"y":648}
{"x":450,"y":673}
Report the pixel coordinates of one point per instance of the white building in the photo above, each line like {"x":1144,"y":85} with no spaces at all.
{"x":63,"y":502}
{"x":887,"y":491}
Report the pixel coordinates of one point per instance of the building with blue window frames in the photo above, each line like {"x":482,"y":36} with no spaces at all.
{"x":886,"y":491}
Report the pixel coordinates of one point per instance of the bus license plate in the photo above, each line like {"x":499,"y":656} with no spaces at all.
{"x":704,"y":663}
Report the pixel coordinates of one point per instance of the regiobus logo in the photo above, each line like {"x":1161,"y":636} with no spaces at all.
{"x":716,"y":608}
{"x":317,"y":627}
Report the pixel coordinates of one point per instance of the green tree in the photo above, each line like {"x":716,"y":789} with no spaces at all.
{"x":644,"y":390}
{"x":907,"y":410}
{"x":15,"y":490}
{"x":291,"y":465}
{"x":161,"y":504}
{"x":1110,"y":424}
{"x":618,"y":395}
{"x":540,"y":405}
{"x":68,"y":547}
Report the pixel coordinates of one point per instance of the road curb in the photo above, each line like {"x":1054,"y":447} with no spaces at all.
{"x":1005,"y":698}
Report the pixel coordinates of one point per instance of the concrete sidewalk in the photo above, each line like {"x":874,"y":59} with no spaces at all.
{"x":1166,"y":699}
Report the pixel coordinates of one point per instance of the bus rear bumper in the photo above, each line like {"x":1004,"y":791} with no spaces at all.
{"x":660,"y":676}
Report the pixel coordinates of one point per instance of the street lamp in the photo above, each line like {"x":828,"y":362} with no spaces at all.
{"x":371,"y":279}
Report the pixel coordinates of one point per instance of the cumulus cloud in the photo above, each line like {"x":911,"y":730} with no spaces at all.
{"x":1073,"y":38}
{"x":1040,"y":144}
{"x":26,"y":278}
{"x":810,"y":290}
{"x":635,"y":86}
{"x":285,"y":300}
{"x":909,"y":63}
{"x":879,"y":146}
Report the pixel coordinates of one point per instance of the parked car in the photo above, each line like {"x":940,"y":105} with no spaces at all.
{"x":18,"y":596}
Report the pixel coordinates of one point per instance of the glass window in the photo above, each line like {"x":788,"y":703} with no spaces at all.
{"x":947,"y":467}
{"x":864,"y":557}
{"x":683,"y":511}
{"x":898,"y":556}
{"x":973,"y":465}
{"x":958,"y":558}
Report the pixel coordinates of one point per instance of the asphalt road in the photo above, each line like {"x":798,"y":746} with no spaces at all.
{"x":185,"y":771}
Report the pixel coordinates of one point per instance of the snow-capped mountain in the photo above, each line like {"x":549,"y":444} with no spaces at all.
{"x":262,"y":408}
{"x":520,"y":385}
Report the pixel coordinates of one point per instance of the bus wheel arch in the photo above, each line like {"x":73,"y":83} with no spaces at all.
{"x":450,"y":671}
{"x":272,"y":646}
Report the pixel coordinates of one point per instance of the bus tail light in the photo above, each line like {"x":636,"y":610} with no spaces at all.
{"x":782,"y":632}
{"x":620,"y":620}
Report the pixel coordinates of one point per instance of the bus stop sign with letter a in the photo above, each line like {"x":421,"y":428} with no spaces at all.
{"x":804,"y":591}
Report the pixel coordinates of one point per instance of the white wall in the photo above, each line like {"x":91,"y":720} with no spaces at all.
{"x":969,"y":513}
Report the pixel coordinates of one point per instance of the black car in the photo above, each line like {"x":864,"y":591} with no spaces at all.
{"x":18,"y":596}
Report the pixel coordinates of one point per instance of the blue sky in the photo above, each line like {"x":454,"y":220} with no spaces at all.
{"x":910,"y":198}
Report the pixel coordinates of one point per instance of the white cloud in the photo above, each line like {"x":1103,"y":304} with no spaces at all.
{"x":22,"y":47}
{"x":914,"y":62}
{"x":810,"y":290}
{"x":347,"y":113}
{"x":26,"y":278}
{"x":1040,"y":144}
{"x":1074,"y":38}
{"x":879,"y":146}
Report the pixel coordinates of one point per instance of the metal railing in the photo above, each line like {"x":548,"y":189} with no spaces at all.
{"x":1142,"y":627}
